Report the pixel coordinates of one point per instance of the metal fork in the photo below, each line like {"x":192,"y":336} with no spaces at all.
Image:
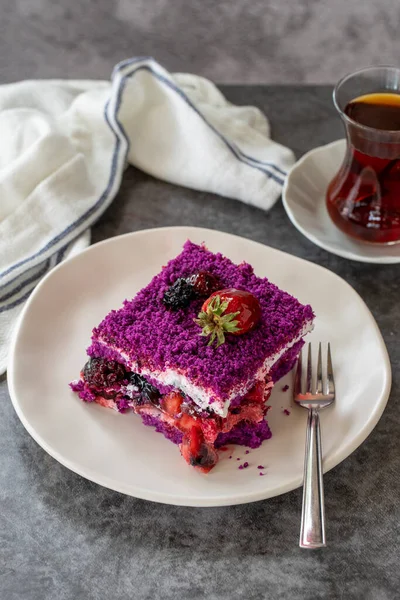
{"x":316,"y":396}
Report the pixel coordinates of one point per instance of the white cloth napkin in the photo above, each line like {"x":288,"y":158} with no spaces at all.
{"x":64,"y":146}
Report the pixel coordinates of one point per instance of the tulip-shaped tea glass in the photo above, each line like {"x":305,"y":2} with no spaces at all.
{"x":363,"y":199}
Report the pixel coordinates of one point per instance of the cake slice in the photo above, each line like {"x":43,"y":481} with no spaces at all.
{"x":196,"y":353}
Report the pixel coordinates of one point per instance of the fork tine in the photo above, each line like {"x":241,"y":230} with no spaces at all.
{"x":330,"y":380}
{"x":299,"y":371}
{"x":319,"y":371}
{"x":309,"y":371}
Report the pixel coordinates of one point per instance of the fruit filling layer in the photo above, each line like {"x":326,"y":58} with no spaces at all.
{"x":199,"y":433}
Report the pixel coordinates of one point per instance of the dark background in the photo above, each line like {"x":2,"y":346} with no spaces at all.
{"x":230,"y":41}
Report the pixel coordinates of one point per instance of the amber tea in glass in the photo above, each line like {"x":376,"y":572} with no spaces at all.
{"x":363,"y":199}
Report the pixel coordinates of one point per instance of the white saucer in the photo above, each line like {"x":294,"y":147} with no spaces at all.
{"x":304,"y":201}
{"x":117,"y":451}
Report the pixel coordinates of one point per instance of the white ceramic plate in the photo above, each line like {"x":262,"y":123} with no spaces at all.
{"x":304,"y":201}
{"x":117,"y":451}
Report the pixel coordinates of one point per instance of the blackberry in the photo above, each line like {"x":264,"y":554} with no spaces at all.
{"x":136,"y":380}
{"x":185,"y":289}
{"x":101,"y":372}
{"x":179,"y":294}
{"x":150,"y":393}
{"x":147,"y":391}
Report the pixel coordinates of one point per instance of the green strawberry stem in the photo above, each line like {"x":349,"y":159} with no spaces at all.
{"x":215,"y":323}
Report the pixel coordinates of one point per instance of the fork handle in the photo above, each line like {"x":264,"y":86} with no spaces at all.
{"x":312,"y":532}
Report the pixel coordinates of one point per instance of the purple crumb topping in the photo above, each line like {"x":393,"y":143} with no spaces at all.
{"x":171,"y":433}
{"x":286,"y":362}
{"x":285,"y":388}
{"x":152,"y":335}
{"x":243,"y":466}
{"x":286,"y":411}
{"x":245,"y":434}
{"x":260,"y":467}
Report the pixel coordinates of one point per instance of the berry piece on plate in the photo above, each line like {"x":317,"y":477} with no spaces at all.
{"x":228,"y":311}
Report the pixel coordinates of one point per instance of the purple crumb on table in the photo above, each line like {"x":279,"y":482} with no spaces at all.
{"x":286,"y":411}
{"x":261,"y":474}
{"x":260,"y":467}
{"x":285,"y":388}
{"x":238,"y":459}
{"x":240,"y":467}
{"x":230,"y":457}
{"x":247,"y":452}
{"x":245,"y":465}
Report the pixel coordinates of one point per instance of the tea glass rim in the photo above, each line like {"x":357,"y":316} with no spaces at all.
{"x":348,"y":119}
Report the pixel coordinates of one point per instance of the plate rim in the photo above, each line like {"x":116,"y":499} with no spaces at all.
{"x":348,"y":254}
{"x":205,"y":501}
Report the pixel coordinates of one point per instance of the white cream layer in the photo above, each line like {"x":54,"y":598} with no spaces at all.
{"x":203,"y":397}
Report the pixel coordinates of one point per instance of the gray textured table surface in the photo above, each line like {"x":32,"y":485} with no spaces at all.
{"x":65,"y":538}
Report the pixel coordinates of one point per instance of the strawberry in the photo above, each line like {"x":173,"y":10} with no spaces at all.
{"x":256,"y":394}
{"x":186,"y":422}
{"x":210,"y":428}
{"x":228,"y":311}
{"x":171,"y":403}
{"x":195,"y":439}
{"x":196,"y":452}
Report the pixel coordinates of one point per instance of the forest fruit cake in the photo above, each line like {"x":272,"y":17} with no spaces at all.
{"x":196,"y":353}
